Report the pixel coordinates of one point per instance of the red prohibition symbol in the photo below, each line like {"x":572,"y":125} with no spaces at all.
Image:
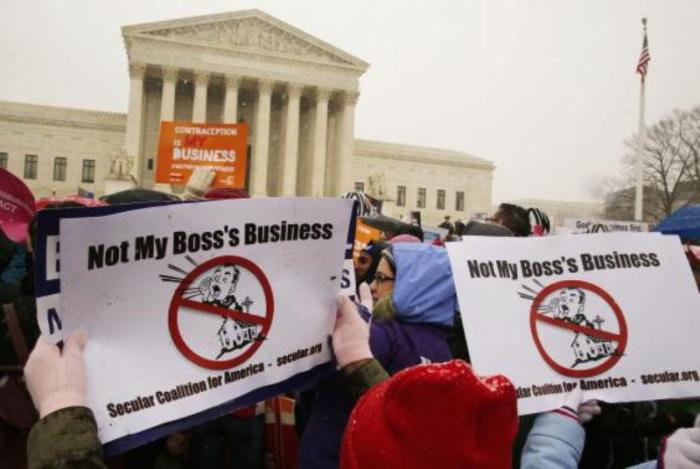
{"x":178,"y":302}
{"x":620,"y":338}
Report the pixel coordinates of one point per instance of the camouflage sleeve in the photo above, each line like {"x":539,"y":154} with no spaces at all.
{"x":65,"y":438}
{"x":365,"y":376}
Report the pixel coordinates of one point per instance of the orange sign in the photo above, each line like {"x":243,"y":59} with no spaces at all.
{"x":363,"y":235}
{"x":184,"y":146}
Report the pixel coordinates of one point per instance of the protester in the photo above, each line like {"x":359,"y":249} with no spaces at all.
{"x":539,"y":222}
{"x":410,"y":323}
{"x":447,"y":225}
{"x":444,"y":416}
{"x":367,"y":261}
{"x":513,"y":217}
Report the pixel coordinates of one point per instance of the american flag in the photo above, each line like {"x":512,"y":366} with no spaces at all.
{"x":644,"y":57}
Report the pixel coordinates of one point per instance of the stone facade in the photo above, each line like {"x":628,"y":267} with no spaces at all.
{"x":382,"y":168}
{"x":297,"y":94}
{"x":50,"y":133}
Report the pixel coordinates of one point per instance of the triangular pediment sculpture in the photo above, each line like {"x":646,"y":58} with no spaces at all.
{"x":248,"y":31}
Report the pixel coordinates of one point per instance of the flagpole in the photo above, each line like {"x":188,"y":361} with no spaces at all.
{"x":639,"y":163}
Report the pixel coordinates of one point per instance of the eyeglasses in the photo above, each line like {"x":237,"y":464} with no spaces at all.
{"x":381,"y":278}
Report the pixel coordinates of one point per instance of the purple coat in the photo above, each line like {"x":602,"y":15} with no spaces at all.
{"x":425,"y":302}
{"x":396,"y":346}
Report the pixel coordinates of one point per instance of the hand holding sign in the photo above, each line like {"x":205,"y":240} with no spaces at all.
{"x":55,"y":378}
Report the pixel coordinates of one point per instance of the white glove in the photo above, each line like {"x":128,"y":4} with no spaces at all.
{"x":199,"y":182}
{"x":575,"y":408}
{"x":682,"y":449}
{"x":56,"y":379}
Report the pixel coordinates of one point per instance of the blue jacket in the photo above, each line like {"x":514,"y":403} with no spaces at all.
{"x":556,"y":442}
{"x":423,"y":306}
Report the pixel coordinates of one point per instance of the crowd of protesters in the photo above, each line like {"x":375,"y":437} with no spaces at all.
{"x":402,"y":394}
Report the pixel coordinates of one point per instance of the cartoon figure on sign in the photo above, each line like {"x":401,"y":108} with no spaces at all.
{"x":560,"y":309}
{"x":213,"y":288}
{"x":219,"y":288}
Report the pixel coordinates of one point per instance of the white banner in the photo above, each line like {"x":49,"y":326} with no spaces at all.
{"x":189,"y":306}
{"x":616,"y":315}
{"x":588,"y":225}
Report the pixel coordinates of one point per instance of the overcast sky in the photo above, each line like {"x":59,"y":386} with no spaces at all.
{"x":544,"y":89}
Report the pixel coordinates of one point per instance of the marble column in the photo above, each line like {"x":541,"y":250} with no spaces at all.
{"x":342,"y":179}
{"x":318,"y":165}
{"x":231,"y":100}
{"x":258,"y":173}
{"x":291,"y":141}
{"x":199,"y":108}
{"x":134,"y":118}
{"x":167,"y":103}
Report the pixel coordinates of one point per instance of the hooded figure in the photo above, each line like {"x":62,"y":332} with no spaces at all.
{"x":409,"y":327}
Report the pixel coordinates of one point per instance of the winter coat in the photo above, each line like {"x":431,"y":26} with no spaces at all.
{"x":424,"y":302}
{"x":65,"y":438}
{"x":556,"y":442}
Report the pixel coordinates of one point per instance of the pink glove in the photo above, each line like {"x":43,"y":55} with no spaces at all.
{"x":682,"y":449}
{"x":57,"y":380}
{"x":580,"y":411}
{"x":366,"y":296}
{"x":351,"y":334}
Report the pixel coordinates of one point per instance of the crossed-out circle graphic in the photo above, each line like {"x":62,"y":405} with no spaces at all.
{"x":180,"y":301}
{"x":589,"y":343}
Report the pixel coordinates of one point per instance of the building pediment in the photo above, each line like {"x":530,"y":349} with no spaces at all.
{"x":250,"y":31}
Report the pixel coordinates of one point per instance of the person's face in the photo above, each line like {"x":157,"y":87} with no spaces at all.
{"x":383,"y":282}
{"x":569,"y":302}
{"x":362,"y":264}
{"x":222,"y":282}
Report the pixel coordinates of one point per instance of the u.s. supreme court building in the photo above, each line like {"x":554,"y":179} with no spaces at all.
{"x":297,"y":94}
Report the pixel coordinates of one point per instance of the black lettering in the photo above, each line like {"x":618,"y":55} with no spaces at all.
{"x":654,"y":259}
{"x":274,"y":233}
{"x":250,"y":233}
{"x":635,"y":260}
{"x":179,"y":242}
{"x":96,"y":257}
{"x":327,"y":231}
{"x":315,"y":231}
{"x":304,"y":231}
{"x":233,"y":239}
{"x":587,"y":262}
{"x":572,"y":265}
{"x":473,"y":269}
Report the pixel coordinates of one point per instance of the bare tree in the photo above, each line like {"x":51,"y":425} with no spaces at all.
{"x":671,"y":167}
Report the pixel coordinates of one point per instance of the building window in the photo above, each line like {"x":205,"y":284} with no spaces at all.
{"x":401,"y":196}
{"x":359,"y":186}
{"x":459,"y":201}
{"x":421,"y":197}
{"x":3,"y":160}
{"x":88,"y":171}
{"x":59,"y":168}
{"x":150,"y":164}
{"x":441,"y":199}
{"x":31,"y":162}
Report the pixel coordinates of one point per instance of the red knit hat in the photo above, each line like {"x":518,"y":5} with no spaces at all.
{"x":438,"y":415}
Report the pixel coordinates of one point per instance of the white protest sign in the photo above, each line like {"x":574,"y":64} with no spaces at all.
{"x":589,"y":225}
{"x":192,"y":305}
{"x":616,"y":315}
